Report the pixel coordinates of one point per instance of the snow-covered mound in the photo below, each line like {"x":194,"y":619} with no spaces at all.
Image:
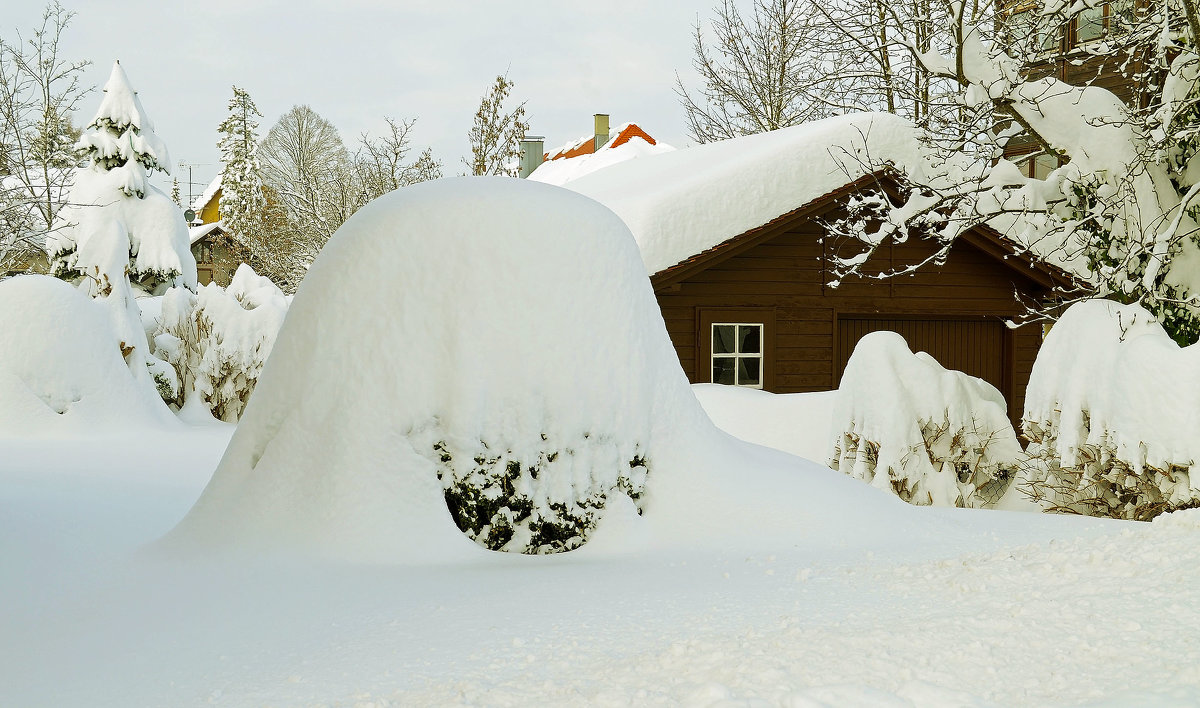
{"x":61,"y":370}
{"x":796,"y":423}
{"x":500,"y":335}
{"x":625,"y":144}
{"x":681,"y":203}
{"x":218,"y":339}
{"x":927,"y":434}
{"x":1113,"y":407}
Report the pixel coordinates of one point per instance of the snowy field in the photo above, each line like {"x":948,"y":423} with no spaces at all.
{"x":905,"y":607}
{"x":311,"y":557}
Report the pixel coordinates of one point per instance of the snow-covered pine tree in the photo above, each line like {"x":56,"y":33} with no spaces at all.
{"x":119,"y":234}
{"x":243,"y":205}
{"x":175,"y":193}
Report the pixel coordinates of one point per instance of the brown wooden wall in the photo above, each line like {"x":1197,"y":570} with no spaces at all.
{"x":958,"y":307}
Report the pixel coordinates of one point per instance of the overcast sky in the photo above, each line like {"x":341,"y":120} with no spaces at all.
{"x":357,"y":61}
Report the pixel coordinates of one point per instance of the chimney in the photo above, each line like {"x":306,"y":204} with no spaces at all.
{"x":533,"y":151}
{"x":601,"y":131}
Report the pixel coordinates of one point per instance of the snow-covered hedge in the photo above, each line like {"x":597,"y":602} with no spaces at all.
{"x":1113,"y":415}
{"x":907,"y":425}
{"x":476,"y":355}
{"x":218,"y":339}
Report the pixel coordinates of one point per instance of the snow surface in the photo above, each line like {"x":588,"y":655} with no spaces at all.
{"x":681,"y":203}
{"x":61,"y":371}
{"x":909,"y":606}
{"x":795,"y":423}
{"x":563,"y":170}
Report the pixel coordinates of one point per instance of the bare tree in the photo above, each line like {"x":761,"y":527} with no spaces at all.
{"x":1119,"y":200}
{"x":755,"y":74}
{"x":39,"y":89}
{"x":381,"y":164}
{"x":496,"y":134}
{"x":314,"y":183}
{"x":305,"y":162}
{"x":794,"y":61}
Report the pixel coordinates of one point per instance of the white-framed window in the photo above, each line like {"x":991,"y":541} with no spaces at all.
{"x":737,"y":353}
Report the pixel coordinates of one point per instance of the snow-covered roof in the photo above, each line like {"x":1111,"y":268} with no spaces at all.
{"x":576,"y":159}
{"x":198,"y":232}
{"x":681,"y":203}
{"x":207,"y":195}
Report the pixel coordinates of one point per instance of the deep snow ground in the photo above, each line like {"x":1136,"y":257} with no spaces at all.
{"x":965,"y":608}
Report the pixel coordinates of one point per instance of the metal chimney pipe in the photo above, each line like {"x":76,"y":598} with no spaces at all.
{"x":533,"y":151}
{"x":601,"y":131}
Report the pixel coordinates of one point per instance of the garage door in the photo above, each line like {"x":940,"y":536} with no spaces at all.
{"x":974,"y":346}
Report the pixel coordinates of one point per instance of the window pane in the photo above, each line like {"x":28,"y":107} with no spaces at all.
{"x":1121,"y":15}
{"x":723,"y":370}
{"x":1043,"y":165}
{"x":749,"y":336}
{"x":723,"y":339}
{"x":1091,"y":24}
{"x":748,"y":371}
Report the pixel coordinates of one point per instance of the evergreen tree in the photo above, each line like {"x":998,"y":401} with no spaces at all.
{"x":119,"y":234}
{"x":175,"y":193}
{"x":243,"y":205}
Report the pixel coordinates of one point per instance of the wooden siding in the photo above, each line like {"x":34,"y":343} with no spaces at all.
{"x":790,"y":276}
{"x":972,"y":346}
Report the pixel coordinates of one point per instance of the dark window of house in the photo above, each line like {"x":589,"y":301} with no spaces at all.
{"x":737,"y":354}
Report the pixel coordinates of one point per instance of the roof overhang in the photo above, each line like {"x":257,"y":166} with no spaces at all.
{"x":983,"y":237}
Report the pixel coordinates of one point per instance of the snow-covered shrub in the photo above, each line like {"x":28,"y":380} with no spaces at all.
{"x":477,"y":355}
{"x":543,"y":499}
{"x":61,"y":369}
{"x":1113,"y":416}
{"x":905,"y":424}
{"x":217,"y":340}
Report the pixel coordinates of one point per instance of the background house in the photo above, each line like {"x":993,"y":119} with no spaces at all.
{"x":735,"y":241}
{"x":602,"y":148}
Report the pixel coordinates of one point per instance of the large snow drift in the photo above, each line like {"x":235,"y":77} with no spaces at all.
{"x":496,"y":333}
{"x":61,"y":370}
{"x":681,"y":203}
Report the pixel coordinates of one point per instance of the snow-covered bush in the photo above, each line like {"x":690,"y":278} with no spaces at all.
{"x":217,"y":340}
{"x":1113,"y":415}
{"x":475,"y":355}
{"x":61,"y":369}
{"x":930,"y":435}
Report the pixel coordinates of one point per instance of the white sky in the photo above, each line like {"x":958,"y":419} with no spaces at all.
{"x":357,"y":61}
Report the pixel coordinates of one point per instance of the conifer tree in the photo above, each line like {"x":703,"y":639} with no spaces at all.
{"x":119,"y":234}
{"x":243,"y":205}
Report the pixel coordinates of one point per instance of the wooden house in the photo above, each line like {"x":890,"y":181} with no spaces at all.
{"x":217,"y":254}
{"x":1067,"y":52}
{"x":587,"y":154}
{"x":754,"y":301}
